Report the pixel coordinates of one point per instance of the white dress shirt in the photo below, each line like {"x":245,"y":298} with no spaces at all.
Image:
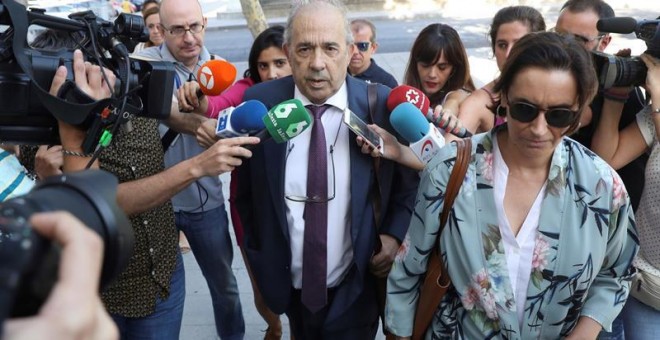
{"x":518,"y":249}
{"x":340,"y":249}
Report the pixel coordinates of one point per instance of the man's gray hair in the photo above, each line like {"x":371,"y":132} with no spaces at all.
{"x":298,"y":5}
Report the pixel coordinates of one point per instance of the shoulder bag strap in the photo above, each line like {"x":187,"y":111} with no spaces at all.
{"x":435,"y":283}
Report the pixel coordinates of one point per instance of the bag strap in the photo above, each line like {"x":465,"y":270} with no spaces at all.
{"x":434,"y":287}
{"x":463,"y":153}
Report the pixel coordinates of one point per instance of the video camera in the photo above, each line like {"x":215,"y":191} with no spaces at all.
{"x":29,"y":263}
{"x":615,"y":71}
{"x":28,"y":111}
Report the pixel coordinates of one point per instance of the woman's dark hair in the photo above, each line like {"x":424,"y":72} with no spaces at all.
{"x":551,"y":51}
{"x":149,"y":12}
{"x":51,"y":39}
{"x":529,"y":16}
{"x":271,"y":37}
{"x":431,"y":43}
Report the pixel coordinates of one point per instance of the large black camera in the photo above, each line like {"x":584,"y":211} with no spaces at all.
{"x":28,"y":111}
{"x":615,"y":71}
{"x":29,"y":263}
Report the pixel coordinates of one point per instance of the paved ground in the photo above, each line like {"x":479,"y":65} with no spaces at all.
{"x":198,"y":320}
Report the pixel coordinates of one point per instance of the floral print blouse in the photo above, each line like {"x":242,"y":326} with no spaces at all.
{"x":584,"y":246}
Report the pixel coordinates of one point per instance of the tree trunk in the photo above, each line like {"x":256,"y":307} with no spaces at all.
{"x":254,"y":15}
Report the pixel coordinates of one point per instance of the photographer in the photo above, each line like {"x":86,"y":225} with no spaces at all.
{"x":147,"y":299}
{"x":619,"y":148}
{"x":73,"y":309}
{"x":580,"y":18}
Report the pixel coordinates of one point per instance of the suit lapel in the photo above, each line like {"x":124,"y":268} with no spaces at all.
{"x":275,"y":156}
{"x":361,"y":165}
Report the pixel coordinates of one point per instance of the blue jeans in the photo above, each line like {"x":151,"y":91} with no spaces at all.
{"x":208,"y":235}
{"x":165,"y":322}
{"x":617,"y":330}
{"x":640,"y":321}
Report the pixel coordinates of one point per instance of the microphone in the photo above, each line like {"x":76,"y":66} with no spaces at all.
{"x":424,"y":138}
{"x":214,"y":77}
{"x":623,"y":25}
{"x":282,"y":123}
{"x":287,"y":120}
{"x":242,"y":120}
{"x":405,"y":93}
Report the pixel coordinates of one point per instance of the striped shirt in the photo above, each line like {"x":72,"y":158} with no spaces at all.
{"x":14,"y":180}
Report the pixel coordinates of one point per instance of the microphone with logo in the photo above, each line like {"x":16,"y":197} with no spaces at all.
{"x":214,"y":77}
{"x":405,"y":93}
{"x":282,"y":123}
{"x":424,"y":138}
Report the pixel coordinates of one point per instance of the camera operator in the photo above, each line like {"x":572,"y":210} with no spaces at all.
{"x":147,"y":299}
{"x":74,"y":309}
{"x":579,"y":18}
{"x":619,"y":148}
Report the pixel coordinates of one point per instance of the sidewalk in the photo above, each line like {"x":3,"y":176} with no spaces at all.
{"x":198,"y":322}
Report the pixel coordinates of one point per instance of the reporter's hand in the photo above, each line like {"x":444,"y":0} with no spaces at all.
{"x":448,"y":120}
{"x":73,"y":309}
{"x":223,"y":156}
{"x":205,"y":133}
{"x":48,"y":161}
{"x":652,"y":77}
{"x":391,"y":145}
{"x":381,"y":262}
{"x":188,"y":101}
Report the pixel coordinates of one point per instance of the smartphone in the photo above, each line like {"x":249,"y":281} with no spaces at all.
{"x":361,"y":129}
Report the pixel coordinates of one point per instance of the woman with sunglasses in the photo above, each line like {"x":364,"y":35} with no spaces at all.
{"x":477,"y":112}
{"x":540,"y":238}
{"x":619,"y":148}
{"x":266,"y":61}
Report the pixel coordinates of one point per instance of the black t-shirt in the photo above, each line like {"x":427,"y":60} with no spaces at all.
{"x":633,"y":173}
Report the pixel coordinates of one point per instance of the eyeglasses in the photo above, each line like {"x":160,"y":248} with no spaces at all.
{"x":180,"y":30}
{"x":362,"y":46}
{"x":558,"y":117}
{"x":305,"y":199}
{"x":579,"y":38}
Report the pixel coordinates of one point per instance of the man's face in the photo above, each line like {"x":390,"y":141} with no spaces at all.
{"x":182,"y":27}
{"x":364,"y":49}
{"x":318,"y":52}
{"x":583,"y":26}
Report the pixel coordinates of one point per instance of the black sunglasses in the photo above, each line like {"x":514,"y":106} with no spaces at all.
{"x":558,"y":117}
{"x":362,"y":46}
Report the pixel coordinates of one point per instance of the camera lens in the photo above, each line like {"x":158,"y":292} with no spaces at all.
{"x":30,"y":262}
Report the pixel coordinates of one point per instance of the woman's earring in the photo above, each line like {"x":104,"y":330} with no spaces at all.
{"x":501,"y":111}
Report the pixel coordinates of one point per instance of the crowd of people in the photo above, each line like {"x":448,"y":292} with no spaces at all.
{"x":551,"y":234}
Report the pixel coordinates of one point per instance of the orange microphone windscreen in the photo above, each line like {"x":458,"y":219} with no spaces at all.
{"x":215,"y":76}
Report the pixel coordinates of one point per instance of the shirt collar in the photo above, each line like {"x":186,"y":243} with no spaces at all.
{"x":166,"y":55}
{"x":338,"y":100}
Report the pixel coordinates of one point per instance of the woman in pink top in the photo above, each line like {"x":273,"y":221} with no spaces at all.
{"x":266,"y":61}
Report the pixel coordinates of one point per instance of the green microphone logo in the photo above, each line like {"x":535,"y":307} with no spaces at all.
{"x":287,"y":120}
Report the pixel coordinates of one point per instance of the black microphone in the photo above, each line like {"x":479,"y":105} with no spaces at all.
{"x":623,"y":25}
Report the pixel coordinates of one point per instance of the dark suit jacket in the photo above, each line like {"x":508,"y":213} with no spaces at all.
{"x":261,"y":204}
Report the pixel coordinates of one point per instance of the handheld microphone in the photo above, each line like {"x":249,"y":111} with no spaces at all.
{"x":214,"y":77}
{"x":424,"y":138}
{"x":405,"y":93}
{"x":623,"y":25}
{"x":287,"y":120}
{"x":242,"y":120}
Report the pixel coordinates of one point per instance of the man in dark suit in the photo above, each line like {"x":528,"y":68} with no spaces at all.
{"x":281,"y":211}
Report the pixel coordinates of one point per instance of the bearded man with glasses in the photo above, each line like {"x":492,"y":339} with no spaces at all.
{"x":362,"y":65}
{"x":199,"y":208}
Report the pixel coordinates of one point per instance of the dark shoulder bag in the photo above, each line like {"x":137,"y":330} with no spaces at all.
{"x":435,"y":283}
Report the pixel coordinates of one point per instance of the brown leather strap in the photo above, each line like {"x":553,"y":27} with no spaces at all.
{"x":435,"y":283}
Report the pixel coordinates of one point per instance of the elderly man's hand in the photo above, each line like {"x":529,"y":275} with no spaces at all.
{"x":74,"y":309}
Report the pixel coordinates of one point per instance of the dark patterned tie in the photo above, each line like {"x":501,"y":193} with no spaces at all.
{"x":314,"y":285}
